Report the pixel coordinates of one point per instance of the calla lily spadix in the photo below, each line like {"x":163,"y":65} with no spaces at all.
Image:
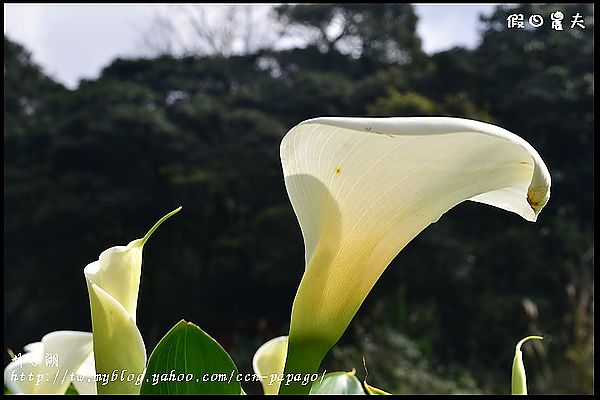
{"x":46,"y":367}
{"x":113,"y":283}
{"x":362,"y":188}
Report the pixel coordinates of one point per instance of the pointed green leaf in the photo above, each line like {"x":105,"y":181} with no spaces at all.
{"x":189,"y":361}
{"x":71,"y":390}
{"x":337,"y":383}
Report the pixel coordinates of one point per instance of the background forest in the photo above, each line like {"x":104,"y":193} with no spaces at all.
{"x":94,"y":167}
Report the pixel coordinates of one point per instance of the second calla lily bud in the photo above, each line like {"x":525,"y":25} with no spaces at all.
{"x":113,"y":283}
{"x":268,"y":363}
{"x":362,"y":188}
{"x":519,"y":379}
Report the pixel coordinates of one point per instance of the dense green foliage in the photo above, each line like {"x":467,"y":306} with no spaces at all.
{"x":87,"y":169}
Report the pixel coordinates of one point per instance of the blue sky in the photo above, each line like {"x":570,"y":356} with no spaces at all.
{"x":76,"y":41}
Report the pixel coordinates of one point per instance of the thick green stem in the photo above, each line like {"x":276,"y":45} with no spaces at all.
{"x":303,"y":357}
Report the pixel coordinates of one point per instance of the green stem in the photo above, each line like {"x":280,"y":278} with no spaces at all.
{"x":156,"y":225}
{"x":303,"y":357}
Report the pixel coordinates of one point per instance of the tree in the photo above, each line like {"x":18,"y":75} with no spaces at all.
{"x":221,"y":30}
{"x":385,"y":34}
{"x":26,"y":88}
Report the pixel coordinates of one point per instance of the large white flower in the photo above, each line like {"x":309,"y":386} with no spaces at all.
{"x":362,"y":188}
{"x":50,"y":366}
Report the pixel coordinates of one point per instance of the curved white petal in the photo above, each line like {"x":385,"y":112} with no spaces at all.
{"x":268,"y":362}
{"x":36,"y":347}
{"x":118,"y":344}
{"x":86,"y":374}
{"x":362,"y":188}
{"x":50,"y":363}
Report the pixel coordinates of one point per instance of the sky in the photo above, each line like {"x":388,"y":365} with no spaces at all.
{"x":73,"y":41}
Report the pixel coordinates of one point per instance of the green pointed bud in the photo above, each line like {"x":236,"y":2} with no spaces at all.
{"x":519,"y":380}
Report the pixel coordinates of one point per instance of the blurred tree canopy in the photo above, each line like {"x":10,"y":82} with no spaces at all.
{"x":385,"y":34}
{"x":94,"y":167}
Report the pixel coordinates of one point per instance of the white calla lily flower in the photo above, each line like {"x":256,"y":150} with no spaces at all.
{"x":113,"y":284}
{"x":268,"y":363}
{"x":362,"y":188}
{"x":50,"y":366}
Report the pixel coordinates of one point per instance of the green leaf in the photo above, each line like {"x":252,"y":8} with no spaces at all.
{"x":337,"y":383}
{"x":71,"y":390}
{"x":189,"y":361}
